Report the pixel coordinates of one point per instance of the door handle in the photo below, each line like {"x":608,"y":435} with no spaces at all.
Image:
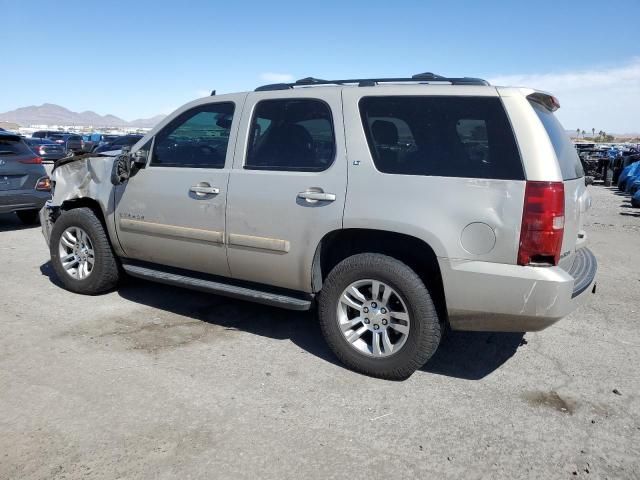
{"x":204,"y":189}
{"x":315,"y":196}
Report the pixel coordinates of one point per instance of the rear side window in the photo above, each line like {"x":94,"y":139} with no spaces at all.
{"x":568,"y":159}
{"x":12,"y":146}
{"x":441,"y":136}
{"x":292,"y":135}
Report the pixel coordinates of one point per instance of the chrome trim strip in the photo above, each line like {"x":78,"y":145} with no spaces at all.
{"x":262,"y":243}
{"x":159,"y":229}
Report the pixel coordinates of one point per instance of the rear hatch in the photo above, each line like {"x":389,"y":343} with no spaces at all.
{"x":576,"y":197}
{"x":74,"y":142}
{"x":18,"y":170}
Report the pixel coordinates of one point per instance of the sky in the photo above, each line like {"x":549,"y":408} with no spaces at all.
{"x":136,"y":59}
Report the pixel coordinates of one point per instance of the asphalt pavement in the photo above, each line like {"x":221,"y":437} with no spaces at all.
{"x":156,"y":382}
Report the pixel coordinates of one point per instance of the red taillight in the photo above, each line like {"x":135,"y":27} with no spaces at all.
{"x":44,"y":184}
{"x":542,"y":223}
{"x":33,"y":160}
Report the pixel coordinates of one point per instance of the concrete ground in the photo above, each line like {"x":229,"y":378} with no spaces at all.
{"x":157,"y":382}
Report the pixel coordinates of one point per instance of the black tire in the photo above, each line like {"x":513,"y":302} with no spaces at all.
{"x":425,"y":328}
{"x":105,"y":273}
{"x":28,"y":217}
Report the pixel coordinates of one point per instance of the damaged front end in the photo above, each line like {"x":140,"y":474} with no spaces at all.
{"x":88,"y":178}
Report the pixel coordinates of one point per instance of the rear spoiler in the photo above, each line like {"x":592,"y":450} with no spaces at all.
{"x":547,"y":100}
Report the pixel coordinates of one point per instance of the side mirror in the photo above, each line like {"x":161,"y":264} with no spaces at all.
{"x":139,"y":158}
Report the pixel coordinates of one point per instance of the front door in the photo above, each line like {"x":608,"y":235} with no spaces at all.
{"x":288,"y":187}
{"x":173,"y":211}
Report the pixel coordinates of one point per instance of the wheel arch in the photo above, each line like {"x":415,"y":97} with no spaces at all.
{"x":337,"y":245}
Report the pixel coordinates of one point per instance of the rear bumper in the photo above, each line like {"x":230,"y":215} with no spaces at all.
{"x":486,"y":296}
{"x":13,"y":200}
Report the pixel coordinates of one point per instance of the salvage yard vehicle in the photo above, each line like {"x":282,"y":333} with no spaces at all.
{"x":118,"y":143}
{"x":398,"y":207}
{"x":24,"y":185}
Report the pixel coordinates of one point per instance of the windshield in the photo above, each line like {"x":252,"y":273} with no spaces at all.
{"x":568,"y":159}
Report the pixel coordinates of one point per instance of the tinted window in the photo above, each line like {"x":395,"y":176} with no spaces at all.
{"x":441,"y":136}
{"x":197,"y":138}
{"x":126,"y":140}
{"x":294,"y":135}
{"x":12,"y":146}
{"x":568,"y":159}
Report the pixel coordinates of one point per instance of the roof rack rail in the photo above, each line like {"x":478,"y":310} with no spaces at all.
{"x":372,"y":82}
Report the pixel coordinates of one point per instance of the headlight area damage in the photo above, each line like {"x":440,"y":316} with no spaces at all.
{"x":88,"y":179}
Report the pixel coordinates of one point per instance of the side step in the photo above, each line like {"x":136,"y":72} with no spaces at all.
{"x":218,"y":288}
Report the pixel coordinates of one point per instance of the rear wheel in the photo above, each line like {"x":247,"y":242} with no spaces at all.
{"x":378,"y":317}
{"x":81,"y":253}
{"x":28,"y":217}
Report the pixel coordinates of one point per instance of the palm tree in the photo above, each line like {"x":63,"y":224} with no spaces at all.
{"x":593,"y":132}
{"x":583,"y":132}
{"x":578,"y":132}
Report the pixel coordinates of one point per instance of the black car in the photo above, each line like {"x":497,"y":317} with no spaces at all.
{"x":71,"y":141}
{"x":118,"y":143}
{"x":24,"y":185}
{"x":46,"y":149}
{"x":45,"y":133}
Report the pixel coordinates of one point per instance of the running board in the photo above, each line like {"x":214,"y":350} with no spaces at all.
{"x":218,"y":288}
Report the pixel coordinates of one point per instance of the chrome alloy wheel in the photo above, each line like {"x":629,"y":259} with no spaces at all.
{"x":76,"y":253}
{"x":373,"y":318}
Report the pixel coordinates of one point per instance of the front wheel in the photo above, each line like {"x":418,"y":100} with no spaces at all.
{"x":378,"y":317}
{"x":81,"y":254}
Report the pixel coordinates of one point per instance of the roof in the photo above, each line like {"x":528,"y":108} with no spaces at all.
{"x":420,"y":78}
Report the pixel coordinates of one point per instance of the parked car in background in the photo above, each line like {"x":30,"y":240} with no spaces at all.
{"x":118,"y":143}
{"x":95,"y":140}
{"x":463,"y":208}
{"x":46,"y":149}
{"x":24,"y":184}
{"x":72,"y":142}
{"x":46,"y":133}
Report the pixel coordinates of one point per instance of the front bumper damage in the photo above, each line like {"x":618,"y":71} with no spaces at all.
{"x":74,"y":178}
{"x":47,"y":214}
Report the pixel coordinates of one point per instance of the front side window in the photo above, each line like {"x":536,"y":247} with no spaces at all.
{"x":292,"y":135}
{"x":441,"y":136}
{"x":197,"y":138}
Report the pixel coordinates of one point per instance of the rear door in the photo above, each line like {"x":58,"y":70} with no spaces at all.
{"x":576,"y":197}
{"x":173,"y":211}
{"x":287,"y":189}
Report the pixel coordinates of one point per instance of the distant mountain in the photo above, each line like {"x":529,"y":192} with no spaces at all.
{"x":51,"y":114}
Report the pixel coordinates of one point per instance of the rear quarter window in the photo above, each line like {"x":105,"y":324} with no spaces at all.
{"x":441,"y":136}
{"x":568,"y":159}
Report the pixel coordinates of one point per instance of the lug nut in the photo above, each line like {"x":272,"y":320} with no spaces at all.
{"x":376,"y":327}
{"x":384,"y":321}
{"x":366,"y":320}
{"x":365,"y":310}
{"x":374,"y":304}
{"x":383,"y":310}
